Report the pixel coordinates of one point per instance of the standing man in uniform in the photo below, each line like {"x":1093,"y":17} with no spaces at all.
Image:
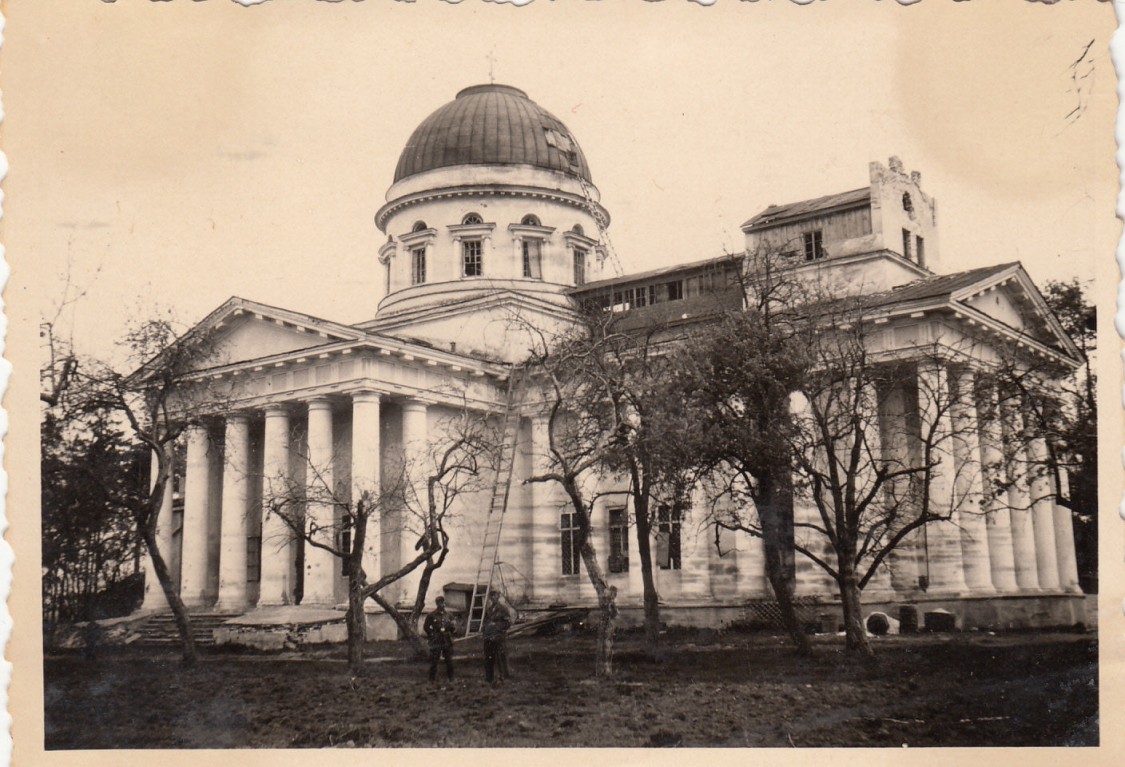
{"x":439,"y":628}
{"x":497,"y":621}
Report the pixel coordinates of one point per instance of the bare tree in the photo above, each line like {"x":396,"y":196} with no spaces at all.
{"x":577,"y":438}
{"x":625,"y":379}
{"x":334,"y":519}
{"x":155,"y":395}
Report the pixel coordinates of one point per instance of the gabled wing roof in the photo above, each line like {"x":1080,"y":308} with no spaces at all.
{"x":953,"y":290}
{"x":937,"y":286}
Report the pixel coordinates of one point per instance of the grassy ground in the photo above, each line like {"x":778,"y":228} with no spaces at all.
{"x":706,"y":690}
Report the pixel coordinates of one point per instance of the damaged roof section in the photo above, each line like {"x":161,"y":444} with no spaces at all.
{"x":777,"y":215}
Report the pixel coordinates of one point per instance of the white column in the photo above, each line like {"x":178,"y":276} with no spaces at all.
{"x":154,"y":594}
{"x":1019,"y":499}
{"x":695,"y":540}
{"x":895,"y":444}
{"x":1043,"y":515}
{"x":197,"y":487}
{"x":810,"y":578}
{"x":366,"y":477}
{"x":235,"y":522}
{"x":880,"y":583}
{"x":943,"y":538}
{"x":277,"y":536}
{"x":997,"y":515}
{"x":752,"y":578}
{"x":415,"y":450}
{"x":1064,"y":540}
{"x":968,"y":486}
{"x":546,"y":552}
{"x":320,"y":566}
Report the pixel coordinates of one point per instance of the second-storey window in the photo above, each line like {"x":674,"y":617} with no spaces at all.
{"x":417,"y":266}
{"x":814,"y":247}
{"x":906,"y":245}
{"x":472,"y":264}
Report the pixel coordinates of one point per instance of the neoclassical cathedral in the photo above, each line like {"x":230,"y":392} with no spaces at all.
{"x":494,"y":231}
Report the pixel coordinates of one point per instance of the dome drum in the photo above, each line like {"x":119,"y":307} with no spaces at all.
{"x":495,"y":159}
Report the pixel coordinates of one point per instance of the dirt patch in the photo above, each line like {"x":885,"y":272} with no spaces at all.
{"x":958,"y":690}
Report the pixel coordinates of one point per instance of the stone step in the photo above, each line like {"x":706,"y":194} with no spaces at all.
{"x":160,"y":630}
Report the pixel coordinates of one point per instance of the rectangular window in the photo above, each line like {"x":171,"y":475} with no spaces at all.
{"x":472,"y":264}
{"x":418,"y":266}
{"x":618,"y":541}
{"x":906,"y":245}
{"x":653,"y":297}
{"x":675,"y":290}
{"x":388,"y":275}
{"x":571,"y":543}
{"x":814,"y":248}
{"x":253,"y":558}
{"x":920,"y":250}
{"x":640,"y":297}
{"x":532,"y":259}
{"x":579,"y":266}
{"x":668,"y":523}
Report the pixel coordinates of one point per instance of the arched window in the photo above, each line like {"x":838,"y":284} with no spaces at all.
{"x":907,"y":203}
{"x":530,"y":220}
{"x":419,"y":226}
{"x":472,"y":219}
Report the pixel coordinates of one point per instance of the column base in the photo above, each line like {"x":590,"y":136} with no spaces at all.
{"x":274,"y":603}
{"x":158,"y":602}
{"x":197,"y":603}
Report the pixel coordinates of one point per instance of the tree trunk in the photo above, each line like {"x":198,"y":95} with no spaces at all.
{"x":607,"y":612}
{"x":356,"y":621}
{"x":407,"y":629}
{"x":651,"y":596}
{"x":607,"y":628}
{"x":855,"y":633}
{"x":775,"y":512}
{"x":424,"y":586}
{"x":179,"y":612}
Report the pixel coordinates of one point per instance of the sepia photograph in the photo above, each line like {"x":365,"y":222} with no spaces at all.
{"x":603,"y":375}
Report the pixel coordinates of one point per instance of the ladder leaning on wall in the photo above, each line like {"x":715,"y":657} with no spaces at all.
{"x":490,"y":548}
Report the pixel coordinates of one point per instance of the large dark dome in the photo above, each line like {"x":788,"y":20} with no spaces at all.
{"x":492,"y":125}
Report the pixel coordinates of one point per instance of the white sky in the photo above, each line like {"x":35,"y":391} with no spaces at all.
{"x":177,"y":154}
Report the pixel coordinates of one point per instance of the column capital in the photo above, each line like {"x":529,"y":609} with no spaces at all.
{"x":415,"y":406}
{"x":275,"y":410}
{"x":318,"y":403}
{"x":237,"y":418}
{"x":197,"y":432}
{"x":367,"y":395}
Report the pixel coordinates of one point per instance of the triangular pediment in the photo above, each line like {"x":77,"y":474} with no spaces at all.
{"x":1011,"y":298}
{"x":242,"y":331}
